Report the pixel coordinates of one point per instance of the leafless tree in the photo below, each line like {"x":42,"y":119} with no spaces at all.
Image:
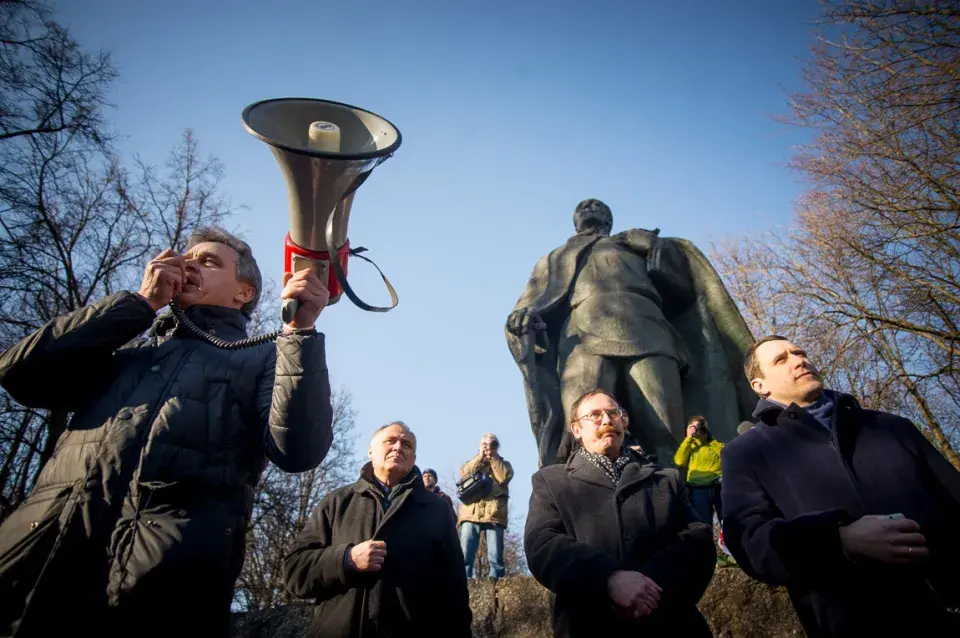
{"x":282,"y":505}
{"x":266,"y":316}
{"x":883,"y":104}
{"x":868,"y":276}
{"x":20,"y":438}
{"x":48,"y":84}
{"x":187,"y":196}
{"x":74,"y":223}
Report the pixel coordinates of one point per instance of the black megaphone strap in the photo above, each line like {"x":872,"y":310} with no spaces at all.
{"x":335,"y":261}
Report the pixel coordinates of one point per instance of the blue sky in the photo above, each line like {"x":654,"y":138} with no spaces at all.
{"x":511,"y":113}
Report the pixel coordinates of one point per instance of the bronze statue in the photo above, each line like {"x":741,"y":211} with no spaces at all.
{"x":644,"y":317}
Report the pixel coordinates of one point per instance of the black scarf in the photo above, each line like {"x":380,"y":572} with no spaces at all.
{"x":612,"y":469}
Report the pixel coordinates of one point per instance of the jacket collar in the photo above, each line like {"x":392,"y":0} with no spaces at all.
{"x":639,"y":468}
{"x":412,"y":482}
{"x":769,"y":412}
{"x":227,"y":323}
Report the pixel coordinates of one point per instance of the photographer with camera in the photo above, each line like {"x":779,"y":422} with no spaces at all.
{"x":488,"y":513}
{"x":700,"y":454}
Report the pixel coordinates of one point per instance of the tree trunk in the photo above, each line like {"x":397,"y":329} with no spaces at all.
{"x":934,"y":425}
{"x":10,"y":461}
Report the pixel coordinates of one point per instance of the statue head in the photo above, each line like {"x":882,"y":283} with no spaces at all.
{"x":592,"y":217}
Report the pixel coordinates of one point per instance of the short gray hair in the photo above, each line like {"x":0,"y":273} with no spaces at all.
{"x":247,"y":269}
{"x":400,"y":424}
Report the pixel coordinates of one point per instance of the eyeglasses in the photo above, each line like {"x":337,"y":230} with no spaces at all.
{"x":597,"y":415}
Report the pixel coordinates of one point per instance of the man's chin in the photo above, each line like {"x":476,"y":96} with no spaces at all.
{"x":805,"y":392}
{"x":610,"y":443}
{"x":812,"y":385}
{"x":395,"y":466}
{"x":186,"y":300}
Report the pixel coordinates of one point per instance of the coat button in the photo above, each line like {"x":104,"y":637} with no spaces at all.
{"x":154,"y":368}
{"x":124,"y":415}
{"x":229,"y":531}
{"x":34,"y":524}
{"x":792,"y":414}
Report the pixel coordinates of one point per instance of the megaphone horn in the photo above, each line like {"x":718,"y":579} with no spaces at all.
{"x":326,"y":151}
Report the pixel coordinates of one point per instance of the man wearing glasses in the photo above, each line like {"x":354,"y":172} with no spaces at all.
{"x":614,"y":537}
{"x":488,"y":515}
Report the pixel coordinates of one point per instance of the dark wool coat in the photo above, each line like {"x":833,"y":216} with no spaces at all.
{"x":790,"y":482}
{"x":446,"y":497}
{"x":581,"y":528}
{"x":421,"y":590}
{"x":136,"y":524}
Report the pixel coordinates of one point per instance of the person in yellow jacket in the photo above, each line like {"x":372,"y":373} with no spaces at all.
{"x":700,"y":454}
{"x":488,"y":515}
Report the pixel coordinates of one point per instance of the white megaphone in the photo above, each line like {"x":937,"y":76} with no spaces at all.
{"x":326,"y":150}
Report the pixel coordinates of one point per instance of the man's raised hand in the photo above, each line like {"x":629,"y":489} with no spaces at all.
{"x":310,"y":292}
{"x":163,"y":279}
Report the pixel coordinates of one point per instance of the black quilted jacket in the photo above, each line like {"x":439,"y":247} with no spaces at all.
{"x":137,"y":522}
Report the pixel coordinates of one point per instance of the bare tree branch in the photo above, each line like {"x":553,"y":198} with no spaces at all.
{"x":868,"y":277}
{"x":74,"y":226}
{"x":283,"y":503}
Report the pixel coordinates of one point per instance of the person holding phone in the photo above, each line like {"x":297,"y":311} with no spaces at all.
{"x":852,"y":509}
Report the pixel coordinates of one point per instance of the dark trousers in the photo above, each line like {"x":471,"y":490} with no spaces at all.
{"x":705,"y":499}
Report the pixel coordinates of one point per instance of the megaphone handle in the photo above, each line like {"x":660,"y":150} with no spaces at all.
{"x":289,"y":309}
{"x":342,"y":277}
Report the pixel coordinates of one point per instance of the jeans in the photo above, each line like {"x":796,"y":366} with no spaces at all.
{"x":470,"y":540}
{"x":704,"y":500}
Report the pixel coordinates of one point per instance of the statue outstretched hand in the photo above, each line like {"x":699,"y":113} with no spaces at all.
{"x":520,"y":321}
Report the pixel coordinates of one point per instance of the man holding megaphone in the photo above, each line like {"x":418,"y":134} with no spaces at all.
{"x":137,"y":523}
